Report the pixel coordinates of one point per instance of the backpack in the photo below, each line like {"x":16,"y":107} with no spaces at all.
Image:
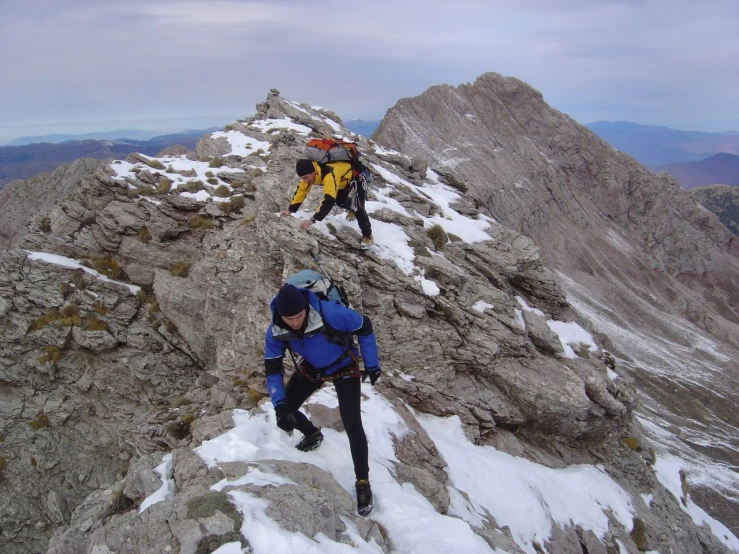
{"x":324,"y":150}
{"x":325,"y":289}
{"x":327,"y":150}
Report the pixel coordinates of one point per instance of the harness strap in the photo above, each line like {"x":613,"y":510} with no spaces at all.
{"x":328,"y":331}
{"x":351,"y":370}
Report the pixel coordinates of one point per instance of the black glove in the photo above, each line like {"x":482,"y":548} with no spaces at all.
{"x":286,"y":419}
{"x":373,"y":373}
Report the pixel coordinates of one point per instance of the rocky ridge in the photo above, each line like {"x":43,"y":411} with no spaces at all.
{"x":637,"y":256}
{"x":723,"y":200}
{"x":146,"y":329}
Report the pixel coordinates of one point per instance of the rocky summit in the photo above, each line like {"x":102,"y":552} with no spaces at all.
{"x":636,"y":255}
{"x":134,"y":295}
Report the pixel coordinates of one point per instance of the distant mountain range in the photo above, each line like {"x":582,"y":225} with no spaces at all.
{"x":694,"y":158}
{"x":25,"y":157}
{"x":652,"y":145}
{"x":362,"y":127}
{"x":720,"y":169}
{"x":119,"y":135}
{"x":25,"y":161}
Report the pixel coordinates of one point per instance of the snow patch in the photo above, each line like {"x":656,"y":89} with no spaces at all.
{"x":166,"y":491}
{"x":74,"y":264}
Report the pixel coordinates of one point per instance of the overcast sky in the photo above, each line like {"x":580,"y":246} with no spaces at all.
{"x":89,"y":65}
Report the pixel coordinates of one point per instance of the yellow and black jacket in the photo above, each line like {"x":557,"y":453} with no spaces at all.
{"x":333,"y":177}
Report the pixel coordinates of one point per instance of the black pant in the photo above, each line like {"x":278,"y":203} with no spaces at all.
{"x":299,"y":388}
{"x":362,"y":218}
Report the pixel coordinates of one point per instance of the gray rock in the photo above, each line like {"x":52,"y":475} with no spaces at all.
{"x":108,"y":398}
{"x":172,"y":150}
{"x":632,"y":250}
{"x":22,"y":201}
{"x":541,"y":335}
{"x":141,"y":481}
{"x":425,"y":483}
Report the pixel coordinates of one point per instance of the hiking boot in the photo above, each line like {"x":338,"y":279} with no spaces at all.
{"x":366,"y":242}
{"x":310,"y":442}
{"x":350,"y":216}
{"x":365,"y":502}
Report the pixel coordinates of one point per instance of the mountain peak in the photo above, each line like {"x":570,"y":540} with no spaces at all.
{"x":619,"y":237}
{"x":138,"y":295}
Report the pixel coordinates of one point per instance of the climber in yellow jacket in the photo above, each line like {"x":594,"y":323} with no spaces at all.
{"x":339,"y":185}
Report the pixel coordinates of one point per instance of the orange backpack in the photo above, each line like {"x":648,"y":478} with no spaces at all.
{"x":325,"y":150}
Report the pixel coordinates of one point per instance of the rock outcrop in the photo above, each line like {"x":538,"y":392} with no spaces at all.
{"x":723,"y":200}
{"x":145,"y":328}
{"x":651,"y":268}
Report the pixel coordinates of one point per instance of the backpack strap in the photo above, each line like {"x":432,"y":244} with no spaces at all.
{"x":330,"y":169}
{"x":325,"y":169}
{"x":333,"y":335}
{"x":343,"y":338}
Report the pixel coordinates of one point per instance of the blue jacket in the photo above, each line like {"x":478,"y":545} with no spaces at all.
{"x":316,"y":343}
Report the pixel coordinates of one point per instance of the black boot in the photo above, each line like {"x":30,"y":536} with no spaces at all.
{"x":310,"y":442}
{"x":365,"y":502}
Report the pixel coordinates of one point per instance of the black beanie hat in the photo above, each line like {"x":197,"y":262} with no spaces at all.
{"x":303,"y":167}
{"x":290,"y":301}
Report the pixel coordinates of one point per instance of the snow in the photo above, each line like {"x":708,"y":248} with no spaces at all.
{"x":241,"y":144}
{"x":390,"y":241}
{"x":468,"y":229}
{"x":200,"y":196}
{"x":390,"y":177}
{"x":668,"y":472}
{"x":571,"y":333}
{"x":519,"y":319}
{"x":688,"y":361}
{"x":384,"y":200}
{"x":267,"y":125}
{"x":528,"y":308}
{"x":228,"y":548}
{"x":429,"y":287}
{"x":166,"y":491}
{"x":121,"y":168}
{"x":481,"y":306}
{"x":331,"y":123}
{"x":526,"y":496}
{"x":298,"y":107}
{"x":380,"y":151}
{"x":74,"y":264}
{"x":255,"y":477}
{"x":451,"y":161}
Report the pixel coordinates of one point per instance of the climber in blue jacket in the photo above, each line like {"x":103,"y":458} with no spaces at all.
{"x":321,"y":333}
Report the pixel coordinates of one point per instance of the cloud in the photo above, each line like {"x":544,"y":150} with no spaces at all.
{"x":89,"y":59}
